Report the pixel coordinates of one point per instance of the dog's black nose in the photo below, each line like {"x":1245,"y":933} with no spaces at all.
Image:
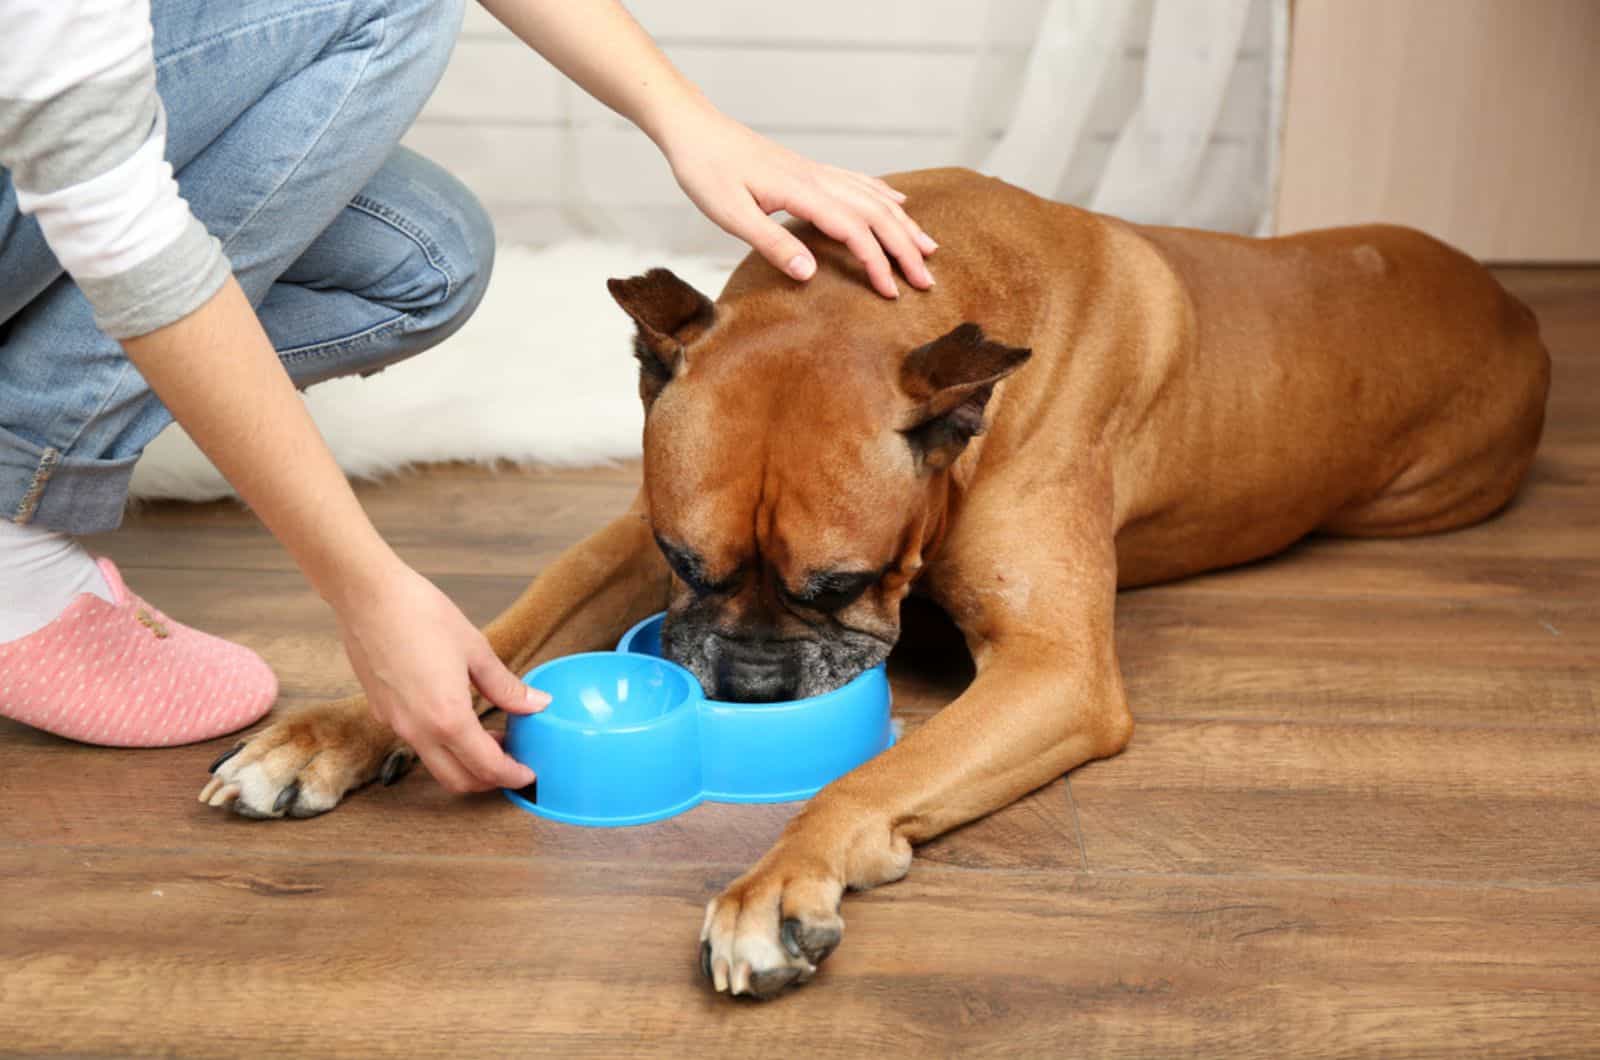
{"x":747,"y":674}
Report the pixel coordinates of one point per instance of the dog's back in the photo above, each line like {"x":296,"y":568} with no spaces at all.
{"x":1365,"y":380}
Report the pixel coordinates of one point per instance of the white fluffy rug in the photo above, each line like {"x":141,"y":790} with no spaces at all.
{"x":543,"y":373}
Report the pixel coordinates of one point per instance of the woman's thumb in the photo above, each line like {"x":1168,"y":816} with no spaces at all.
{"x":504,"y":689}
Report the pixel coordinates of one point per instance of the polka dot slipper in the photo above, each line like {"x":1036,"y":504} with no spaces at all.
{"x":126,"y":675}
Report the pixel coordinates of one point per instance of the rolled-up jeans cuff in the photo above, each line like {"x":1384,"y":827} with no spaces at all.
{"x":45,"y":487}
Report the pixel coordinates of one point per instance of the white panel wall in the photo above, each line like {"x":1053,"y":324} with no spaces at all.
{"x":878,"y":86}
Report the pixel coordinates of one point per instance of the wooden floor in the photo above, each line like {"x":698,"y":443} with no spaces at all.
{"x":1361,"y":816}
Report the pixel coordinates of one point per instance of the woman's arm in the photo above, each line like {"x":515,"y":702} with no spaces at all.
{"x":83,"y":133}
{"x":413,"y":650}
{"x":417,"y":656}
{"x":733,"y":175}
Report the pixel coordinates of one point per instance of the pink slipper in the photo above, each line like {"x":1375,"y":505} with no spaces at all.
{"x":126,"y":675}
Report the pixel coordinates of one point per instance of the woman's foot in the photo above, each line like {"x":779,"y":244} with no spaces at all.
{"x":41,"y":572}
{"x":114,"y":671}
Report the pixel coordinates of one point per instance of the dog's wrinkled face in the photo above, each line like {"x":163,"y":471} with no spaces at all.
{"x":793,"y":490}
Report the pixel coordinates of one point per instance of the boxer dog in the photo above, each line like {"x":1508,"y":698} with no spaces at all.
{"x":1081,"y":404}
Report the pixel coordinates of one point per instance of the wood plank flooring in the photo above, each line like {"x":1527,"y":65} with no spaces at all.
{"x":1361,"y":816}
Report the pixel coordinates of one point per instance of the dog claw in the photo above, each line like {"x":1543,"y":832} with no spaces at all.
{"x":809,"y":943}
{"x":705,"y":959}
{"x":790,"y":943}
{"x":224,"y":795}
{"x":396,"y":766}
{"x":740,"y":982}
{"x":225,"y":756}
{"x":286,"y":797}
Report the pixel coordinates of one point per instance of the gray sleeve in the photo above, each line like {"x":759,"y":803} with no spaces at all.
{"x":87,"y":160}
{"x":179,"y":279}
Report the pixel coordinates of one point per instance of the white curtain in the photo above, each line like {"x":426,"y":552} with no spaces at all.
{"x":1163,"y":111}
{"x":1159,"y":110}
{"x":1196,"y":135}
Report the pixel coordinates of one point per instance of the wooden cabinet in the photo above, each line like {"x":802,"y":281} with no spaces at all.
{"x":1475,"y":120}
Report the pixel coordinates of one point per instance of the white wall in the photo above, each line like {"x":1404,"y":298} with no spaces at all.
{"x":876,"y":85}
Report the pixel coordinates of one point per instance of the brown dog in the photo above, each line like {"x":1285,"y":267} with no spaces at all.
{"x":1080,"y":404}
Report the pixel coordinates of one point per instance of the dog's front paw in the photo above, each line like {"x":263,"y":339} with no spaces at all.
{"x":778,"y":922}
{"x":304,"y":764}
{"x":770,"y":929}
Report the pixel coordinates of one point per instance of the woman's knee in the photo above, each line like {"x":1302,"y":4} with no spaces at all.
{"x":451,"y":229}
{"x":471,"y":231}
{"x":414,"y":242}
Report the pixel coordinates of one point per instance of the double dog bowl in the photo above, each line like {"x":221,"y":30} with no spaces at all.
{"x":630,"y":737}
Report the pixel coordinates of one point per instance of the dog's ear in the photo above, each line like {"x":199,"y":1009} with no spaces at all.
{"x":951,"y":379}
{"x":668,"y":314}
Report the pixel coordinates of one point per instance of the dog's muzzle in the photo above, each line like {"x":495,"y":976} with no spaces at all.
{"x":753,"y":666}
{"x":755,"y":673}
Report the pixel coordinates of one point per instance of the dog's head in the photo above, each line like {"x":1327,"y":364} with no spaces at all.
{"x":797,"y":472}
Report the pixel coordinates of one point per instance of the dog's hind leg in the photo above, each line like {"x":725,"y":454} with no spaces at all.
{"x":305,"y":762}
{"x":1469,"y":460}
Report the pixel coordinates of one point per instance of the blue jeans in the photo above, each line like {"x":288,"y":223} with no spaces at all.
{"x":283,"y":123}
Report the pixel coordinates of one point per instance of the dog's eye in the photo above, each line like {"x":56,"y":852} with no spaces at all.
{"x":687,"y":566}
{"x":834,"y":591}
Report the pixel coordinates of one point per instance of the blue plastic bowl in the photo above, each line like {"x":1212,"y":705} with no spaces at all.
{"x":629,"y":737}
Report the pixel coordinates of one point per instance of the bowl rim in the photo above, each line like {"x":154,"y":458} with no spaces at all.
{"x":693,"y":700}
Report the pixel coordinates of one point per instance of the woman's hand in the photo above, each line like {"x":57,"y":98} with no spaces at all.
{"x":737,"y":177}
{"x":419,"y":658}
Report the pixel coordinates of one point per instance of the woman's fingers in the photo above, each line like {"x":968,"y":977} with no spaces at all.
{"x":895,"y":200}
{"x":770,"y":239}
{"x":460,"y":754}
{"x":924,"y":241}
{"x":833,"y":218}
{"x":442,"y":764}
{"x":885,"y":188}
{"x":427,"y":740}
{"x":485,"y":760}
{"x":891,"y":230}
{"x":463,"y":757}
{"x":738,"y":179}
{"x":861,"y":212}
{"x":881,"y":187}
{"x":873,"y":185}
{"x":857,"y":200}
{"x":899,"y":235}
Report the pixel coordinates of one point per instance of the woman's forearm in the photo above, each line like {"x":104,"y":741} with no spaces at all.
{"x":736,"y":177}
{"x":599,"y":45}
{"x":417,"y":656}
{"x":217,"y":372}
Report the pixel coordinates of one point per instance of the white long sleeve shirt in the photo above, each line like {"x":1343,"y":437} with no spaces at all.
{"x":83,"y":134}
